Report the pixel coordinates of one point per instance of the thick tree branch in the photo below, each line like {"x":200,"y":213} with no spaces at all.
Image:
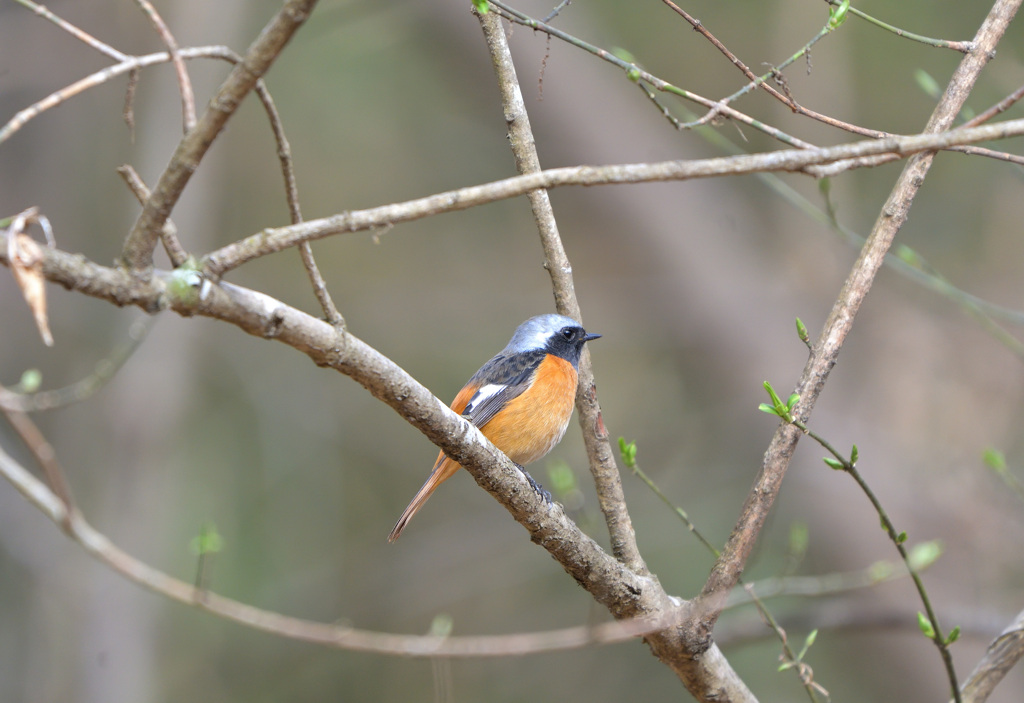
{"x":1002,"y":655}
{"x":187,"y":293}
{"x":624,"y":593}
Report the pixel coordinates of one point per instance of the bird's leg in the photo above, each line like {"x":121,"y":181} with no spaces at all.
{"x":546,"y":495}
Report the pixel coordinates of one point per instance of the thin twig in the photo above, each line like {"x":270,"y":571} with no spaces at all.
{"x":74,"y":31}
{"x":849,"y":465}
{"x":188,"y":100}
{"x":755,"y":80}
{"x":760,"y":81}
{"x":83,"y":388}
{"x":636,"y":73}
{"x":46,"y":457}
{"x":107,"y":74}
{"x":789,"y":657}
{"x":558,"y":8}
{"x":1000,"y":107}
{"x":291,"y":190}
{"x":962,"y":46}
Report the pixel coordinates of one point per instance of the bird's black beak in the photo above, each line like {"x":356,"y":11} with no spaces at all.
{"x":588,"y":337}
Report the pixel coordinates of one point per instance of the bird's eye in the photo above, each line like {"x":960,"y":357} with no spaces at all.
{"x":568,"y":333}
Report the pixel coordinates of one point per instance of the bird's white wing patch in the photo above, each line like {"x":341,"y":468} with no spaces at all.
{"x":481,"y":395}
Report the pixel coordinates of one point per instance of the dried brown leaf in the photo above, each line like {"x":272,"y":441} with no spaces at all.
{"x":26,"y":259}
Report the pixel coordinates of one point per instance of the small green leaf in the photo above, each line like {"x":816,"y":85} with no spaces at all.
{"x":208,"y":541}
{"x":880,"y":571}
{"x":776,"y":400}
{"x":837,"y":15}
{"x":901,"y":537}
{"x":792,"y":400}
{"x":834,"y":463}
{"x":799,"y":537}
{"x":825,"y":185}
{"x":994,"y":459}
{"x":925,"y":625}
{"x":441,"y":625}
{"x":801,"y":328}
{"x":561,"y":477}
{"x":954,"y":635}
{"x":925,"y":554}
{"x":928,"y":85}
{"x":785,"y":666}
{"x":908,"y":256}
{"x":31,"y":379}
{"x":482,"y":6}
{"x":854,"y":455}
{"x":808,"y":643}
{"x":765,"y":408}
{"x":628,"y":451}
{"x":623,"y":54}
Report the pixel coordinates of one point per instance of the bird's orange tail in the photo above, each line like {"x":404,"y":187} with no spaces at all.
{"x":444,"y":468}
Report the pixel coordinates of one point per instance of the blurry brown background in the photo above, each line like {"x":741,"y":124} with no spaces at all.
{"x":693,"y":285}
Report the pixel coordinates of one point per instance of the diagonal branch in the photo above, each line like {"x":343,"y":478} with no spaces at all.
{"x":698,"y":662}
{"x":825,"y":352}
{"x":602,"y":459}
{"x":188,"y":98}
{"x":138,"y":249}
{"x":1002,"y":655}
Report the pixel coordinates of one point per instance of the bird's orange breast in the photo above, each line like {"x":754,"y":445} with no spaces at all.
{"x":533,"y":423}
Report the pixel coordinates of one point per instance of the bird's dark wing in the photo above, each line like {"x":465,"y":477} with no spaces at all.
{"x":500,"y":380}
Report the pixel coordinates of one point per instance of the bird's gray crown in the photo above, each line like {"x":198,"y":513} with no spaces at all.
{"x":536,"y":332}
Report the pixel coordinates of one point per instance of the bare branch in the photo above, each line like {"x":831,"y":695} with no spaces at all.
{"x":277,"y":239}
{"x":1002,"y":655}
{"x":524,"y":148}
{"x":46,"y":457}
{"x":100,"y":77}
{"x":188,"y":99}
{"x":1000,"y":107}
{"x":74,"y":31}
{"x":138,"y":248}
{"x":768,"y":88}
{"x":825,"y":352}
{"x":291,"y":190}
{"x":169,"y":236}
{"x":639,"y":74}
{"x":82,"y":389}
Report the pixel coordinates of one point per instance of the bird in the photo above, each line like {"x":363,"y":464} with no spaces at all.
{"x":521,"y":399}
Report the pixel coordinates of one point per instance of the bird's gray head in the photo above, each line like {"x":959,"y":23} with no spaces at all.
{"x":557,"y":334}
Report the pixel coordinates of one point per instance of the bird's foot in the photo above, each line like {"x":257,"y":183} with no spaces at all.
{"x":546,"y":495}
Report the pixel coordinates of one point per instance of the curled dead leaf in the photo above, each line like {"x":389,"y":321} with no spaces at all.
{"x":26,"y":262}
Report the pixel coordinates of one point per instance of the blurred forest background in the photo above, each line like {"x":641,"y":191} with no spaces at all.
{"x":694,"y":286}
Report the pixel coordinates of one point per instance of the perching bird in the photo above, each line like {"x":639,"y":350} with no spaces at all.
{"x":521,"y":399}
